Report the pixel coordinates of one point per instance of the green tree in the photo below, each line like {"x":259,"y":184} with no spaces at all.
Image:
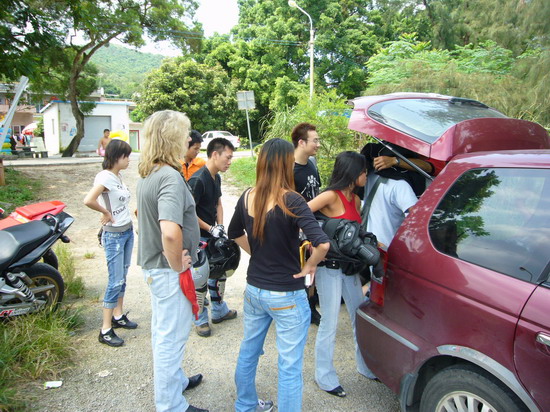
{"x":27,"y":28}
{"x":267,"y":51}
{"x":203,"y":92}
{"x":100,"y":21}
{"x":487,"y":72}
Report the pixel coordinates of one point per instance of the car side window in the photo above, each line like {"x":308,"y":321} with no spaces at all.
{"x":498,"y":218}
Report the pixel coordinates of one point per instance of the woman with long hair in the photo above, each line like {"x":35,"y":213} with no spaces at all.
{"x":117,"y":237}
{"x":168,"y":240}
{"x":266,"y":224}
{"x":338,"y":201}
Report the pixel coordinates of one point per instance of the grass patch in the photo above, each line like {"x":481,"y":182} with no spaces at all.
{"x":18,"y":191}
{"x":74,"y":284}
{"x":242,"y":173}
{"x":89,"y":255}
{"x":33,"y":347}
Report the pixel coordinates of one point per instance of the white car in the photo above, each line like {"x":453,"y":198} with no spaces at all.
{"x":208,"y":136}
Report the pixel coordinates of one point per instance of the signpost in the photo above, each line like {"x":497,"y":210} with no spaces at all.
{"x":245,"y":101}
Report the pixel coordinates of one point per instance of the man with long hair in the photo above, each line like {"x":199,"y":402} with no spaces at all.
{"x":168,"y":240}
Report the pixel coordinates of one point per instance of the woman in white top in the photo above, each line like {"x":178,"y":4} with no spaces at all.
{"x":111,"y":198}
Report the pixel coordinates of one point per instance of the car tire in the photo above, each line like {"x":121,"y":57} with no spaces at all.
{"x":465,"y":388}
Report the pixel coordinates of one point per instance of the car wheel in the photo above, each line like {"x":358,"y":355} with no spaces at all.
{"x":465,"y":389}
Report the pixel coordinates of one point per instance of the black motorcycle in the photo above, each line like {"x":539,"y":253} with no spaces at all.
{"x":26,"y":284}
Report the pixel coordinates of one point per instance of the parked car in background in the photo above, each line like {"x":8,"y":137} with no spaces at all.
{"x":208,"y":136}
{"x":458,"y":320}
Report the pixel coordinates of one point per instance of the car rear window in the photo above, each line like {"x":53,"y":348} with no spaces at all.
{"x":428,"y":119}
{"x":499,"y":219}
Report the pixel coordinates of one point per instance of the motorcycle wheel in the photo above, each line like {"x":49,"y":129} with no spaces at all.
{"x":42,"y":274}
{"x":50,"y":258}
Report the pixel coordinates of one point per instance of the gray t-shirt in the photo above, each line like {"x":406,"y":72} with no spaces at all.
{"x":164,"y":195}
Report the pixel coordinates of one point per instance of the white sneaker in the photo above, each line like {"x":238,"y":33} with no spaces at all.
{"x":264,"y":406}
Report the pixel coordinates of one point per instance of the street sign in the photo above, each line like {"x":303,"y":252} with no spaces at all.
{"x":245,"y":100}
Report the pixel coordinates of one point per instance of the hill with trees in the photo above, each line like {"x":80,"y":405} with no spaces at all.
{"x":122,"y":70}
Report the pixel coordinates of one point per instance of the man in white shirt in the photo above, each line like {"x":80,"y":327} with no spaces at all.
{"x":393,"y":196}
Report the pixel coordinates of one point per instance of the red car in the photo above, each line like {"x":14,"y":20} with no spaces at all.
{"x":460,"y":318}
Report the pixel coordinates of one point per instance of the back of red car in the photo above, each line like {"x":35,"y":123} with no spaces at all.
{"x":448,"y":298}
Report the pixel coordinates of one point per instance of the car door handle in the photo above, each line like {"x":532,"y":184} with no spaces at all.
{"x":544,"y":339}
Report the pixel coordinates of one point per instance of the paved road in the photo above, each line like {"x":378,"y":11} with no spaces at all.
{"x":61,"y":161}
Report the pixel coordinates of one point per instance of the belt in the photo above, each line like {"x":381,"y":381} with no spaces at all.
{"x":330,"y":264}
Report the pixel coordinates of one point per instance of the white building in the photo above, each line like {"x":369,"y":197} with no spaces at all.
{"x":60,"y":125}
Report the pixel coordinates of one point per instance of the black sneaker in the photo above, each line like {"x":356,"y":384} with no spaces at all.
{"x":195,"y":409}
{"x":110,"y":338}
{"x":315,"y":317}
{"x":123,"y":322}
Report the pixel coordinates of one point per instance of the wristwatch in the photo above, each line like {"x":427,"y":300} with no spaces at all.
{"x":397,"y":161}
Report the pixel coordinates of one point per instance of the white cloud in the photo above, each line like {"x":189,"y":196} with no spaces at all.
{"x":217,"y":15}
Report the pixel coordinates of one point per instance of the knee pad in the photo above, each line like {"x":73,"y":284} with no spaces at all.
{"x":201,"y":295}
{"x":217,"y":290}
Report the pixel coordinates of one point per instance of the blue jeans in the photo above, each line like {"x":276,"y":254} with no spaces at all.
{"x":118,"y":251}
{"x":332,"y":285}
{"x":170,"y":327}
{"x":219,"y":307}
{"x":291,"y":313}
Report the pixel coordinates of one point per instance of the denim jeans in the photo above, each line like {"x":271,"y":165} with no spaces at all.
{"x":170,"y":327}
{"x":118,"y":251}
{"x":332,"y":285}
{"x":219,"y":307}
{"x":291,"y":313}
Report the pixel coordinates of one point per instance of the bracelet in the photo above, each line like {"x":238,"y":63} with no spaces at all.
{"x":397,"y":161}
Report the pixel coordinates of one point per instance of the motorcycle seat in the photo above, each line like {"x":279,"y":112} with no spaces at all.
{"x":18,"y":241}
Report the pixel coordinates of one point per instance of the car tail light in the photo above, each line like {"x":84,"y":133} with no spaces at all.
{"x":377,"y":283}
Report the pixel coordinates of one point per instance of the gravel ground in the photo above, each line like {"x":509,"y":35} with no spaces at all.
{"x":120,"y":379}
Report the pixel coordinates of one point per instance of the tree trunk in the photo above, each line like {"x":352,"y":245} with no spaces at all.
{"x":77,"y":113}
{"x":80,"y":60}
{"x":2,"y":178}
{"x":79,"y":117}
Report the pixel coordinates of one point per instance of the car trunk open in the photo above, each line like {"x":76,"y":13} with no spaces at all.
{"x":440,"y":127}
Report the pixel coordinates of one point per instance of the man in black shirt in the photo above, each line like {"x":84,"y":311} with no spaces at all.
{"x":306,"y":176}
{"x":306,"y":179}
{"x":206,"y":187}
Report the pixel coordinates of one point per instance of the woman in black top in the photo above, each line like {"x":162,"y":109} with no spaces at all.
{"x":266,"y":224}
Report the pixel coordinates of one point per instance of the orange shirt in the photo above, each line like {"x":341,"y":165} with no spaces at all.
{"x":193,"y":167}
